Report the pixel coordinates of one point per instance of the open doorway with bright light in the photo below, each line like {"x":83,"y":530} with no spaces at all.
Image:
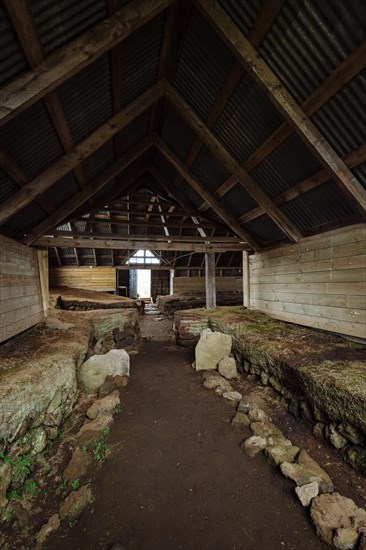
{"x":144,"y":283}
{"x":140,"y":279}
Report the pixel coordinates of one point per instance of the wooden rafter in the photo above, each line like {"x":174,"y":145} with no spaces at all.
{"x":127,"y":244}
{"x":118,"y":188}
{"x":67,"y":61}
{"x":93,"y":187}
{"x":204,"y":194}
{"x":232,"y":165}
{"x":177,"y":20}
{"x":347,"y":70}
{"x":24,"y":26}
{"x":188,"y":207}
{"x":82,"y":151}
{"x":142,"y":223}
{"x":282,"y":100}
{"x":10,"y":166}
{"x":358,"y":156}
{"x":165,"y":58}
{"x":260,"y":29}
{"x":142,"y":237}
{"x":344,"y":73}
{"x":116,"y":57}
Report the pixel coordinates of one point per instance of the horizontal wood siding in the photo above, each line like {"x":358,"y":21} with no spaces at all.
{"x":20,"y":289}
{"x":197,"y":284}
{"x":87,"y":278}
{"x":320,"y":282}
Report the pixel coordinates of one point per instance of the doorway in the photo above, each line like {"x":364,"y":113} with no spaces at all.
{"x":143,"y":283}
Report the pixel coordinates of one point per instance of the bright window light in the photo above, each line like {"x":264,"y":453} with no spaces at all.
{"x":143,"y":257}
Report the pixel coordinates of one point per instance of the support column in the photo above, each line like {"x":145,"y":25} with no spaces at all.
{"x":171,"y":281}
{"x":246,"y":280}
{"x":210,"y":280}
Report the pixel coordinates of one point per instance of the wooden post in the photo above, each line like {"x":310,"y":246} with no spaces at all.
{"x":246,"y":280}
{"x":210,"y":280}
{"x":42,"y":256}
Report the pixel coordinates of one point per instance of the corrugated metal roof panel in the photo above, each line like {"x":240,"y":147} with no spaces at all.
{"x":209,"y":171}
{"x":102,"y":228}
{"x":141,"y":59}
{"x":264,"y":228}
{"x":308,"y":40}
{"x":104,"y":191}
{"x":204,"y":64}
{"x":177,"y":134}
{"x":86,"y":99}
{"x":31,"y":140}
{"x":86,"y":260}
{"x":7,"y":186}
{"x":80,"y":226}
{"x":238,"y":202}
{"x":136,"y":131}
{"x":165,"y":168}
{"x":343,"y":118}
{"x":191,"y":194}
{"x":12,"y":60}
{"x":243,"y":12}
{"x":247,"y":121}
{"x":28,"y":217}
{"x":60,"y":21}
{"x":63,"y":190}
{"x":96,"y":163}
{"x":289,"y":164}
{"x":321,"y":205}
{"x":360,"y":173}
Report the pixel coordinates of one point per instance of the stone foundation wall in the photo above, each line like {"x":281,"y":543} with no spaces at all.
{"x":38,"y":373}
{"x":321,"y":377}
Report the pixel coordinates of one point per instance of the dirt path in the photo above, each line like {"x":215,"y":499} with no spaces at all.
{"x":176,"y":477}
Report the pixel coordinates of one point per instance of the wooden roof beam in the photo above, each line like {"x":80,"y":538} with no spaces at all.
{"x":190,"y":209}
{"x":83,"y":150}
{"x":51,"y":242}
{"x":347,"y":70}
{"x":68,"y":61}
{"x":142,"y":237}
{"x":133,"y":223}
{"x":116,"y":58}
{"x":16,"y":173}
{"x":206,"y":195}
{"x":358,"y":156}
{"x":232,"y":165}
{"x":261,"y":26}
{"x":282,"y":99}
{"x":344,"y":73}
{"x":93,"y":187}
{"x":24,"y":26}
{"x":165,"y":59}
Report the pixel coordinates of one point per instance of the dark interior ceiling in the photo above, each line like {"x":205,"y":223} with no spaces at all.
{"x":183,"y":126}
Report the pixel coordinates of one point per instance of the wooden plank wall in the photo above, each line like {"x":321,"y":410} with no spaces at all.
{"x":159,"y":282}
{"x":20,"y":289}
{"x":197,"y":284}
{"x":320,"y":282}
{"x":87,"y":278}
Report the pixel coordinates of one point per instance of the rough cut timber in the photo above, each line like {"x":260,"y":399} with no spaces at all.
{"x":195,"y":105}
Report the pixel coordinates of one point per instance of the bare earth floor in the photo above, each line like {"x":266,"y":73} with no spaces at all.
{"x":176,"y":477}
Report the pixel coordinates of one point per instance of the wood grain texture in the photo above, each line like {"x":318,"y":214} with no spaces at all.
{"x":319,"y":283}
{"x":20,"y":290}
{"x":95,"y":278}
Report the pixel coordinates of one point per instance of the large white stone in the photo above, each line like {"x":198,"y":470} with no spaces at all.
{"x":211,"y":348}
{"x":95,"y":370}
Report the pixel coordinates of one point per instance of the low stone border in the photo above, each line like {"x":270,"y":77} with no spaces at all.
{"x":337,"y":519}
{"x":297,"y":362}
